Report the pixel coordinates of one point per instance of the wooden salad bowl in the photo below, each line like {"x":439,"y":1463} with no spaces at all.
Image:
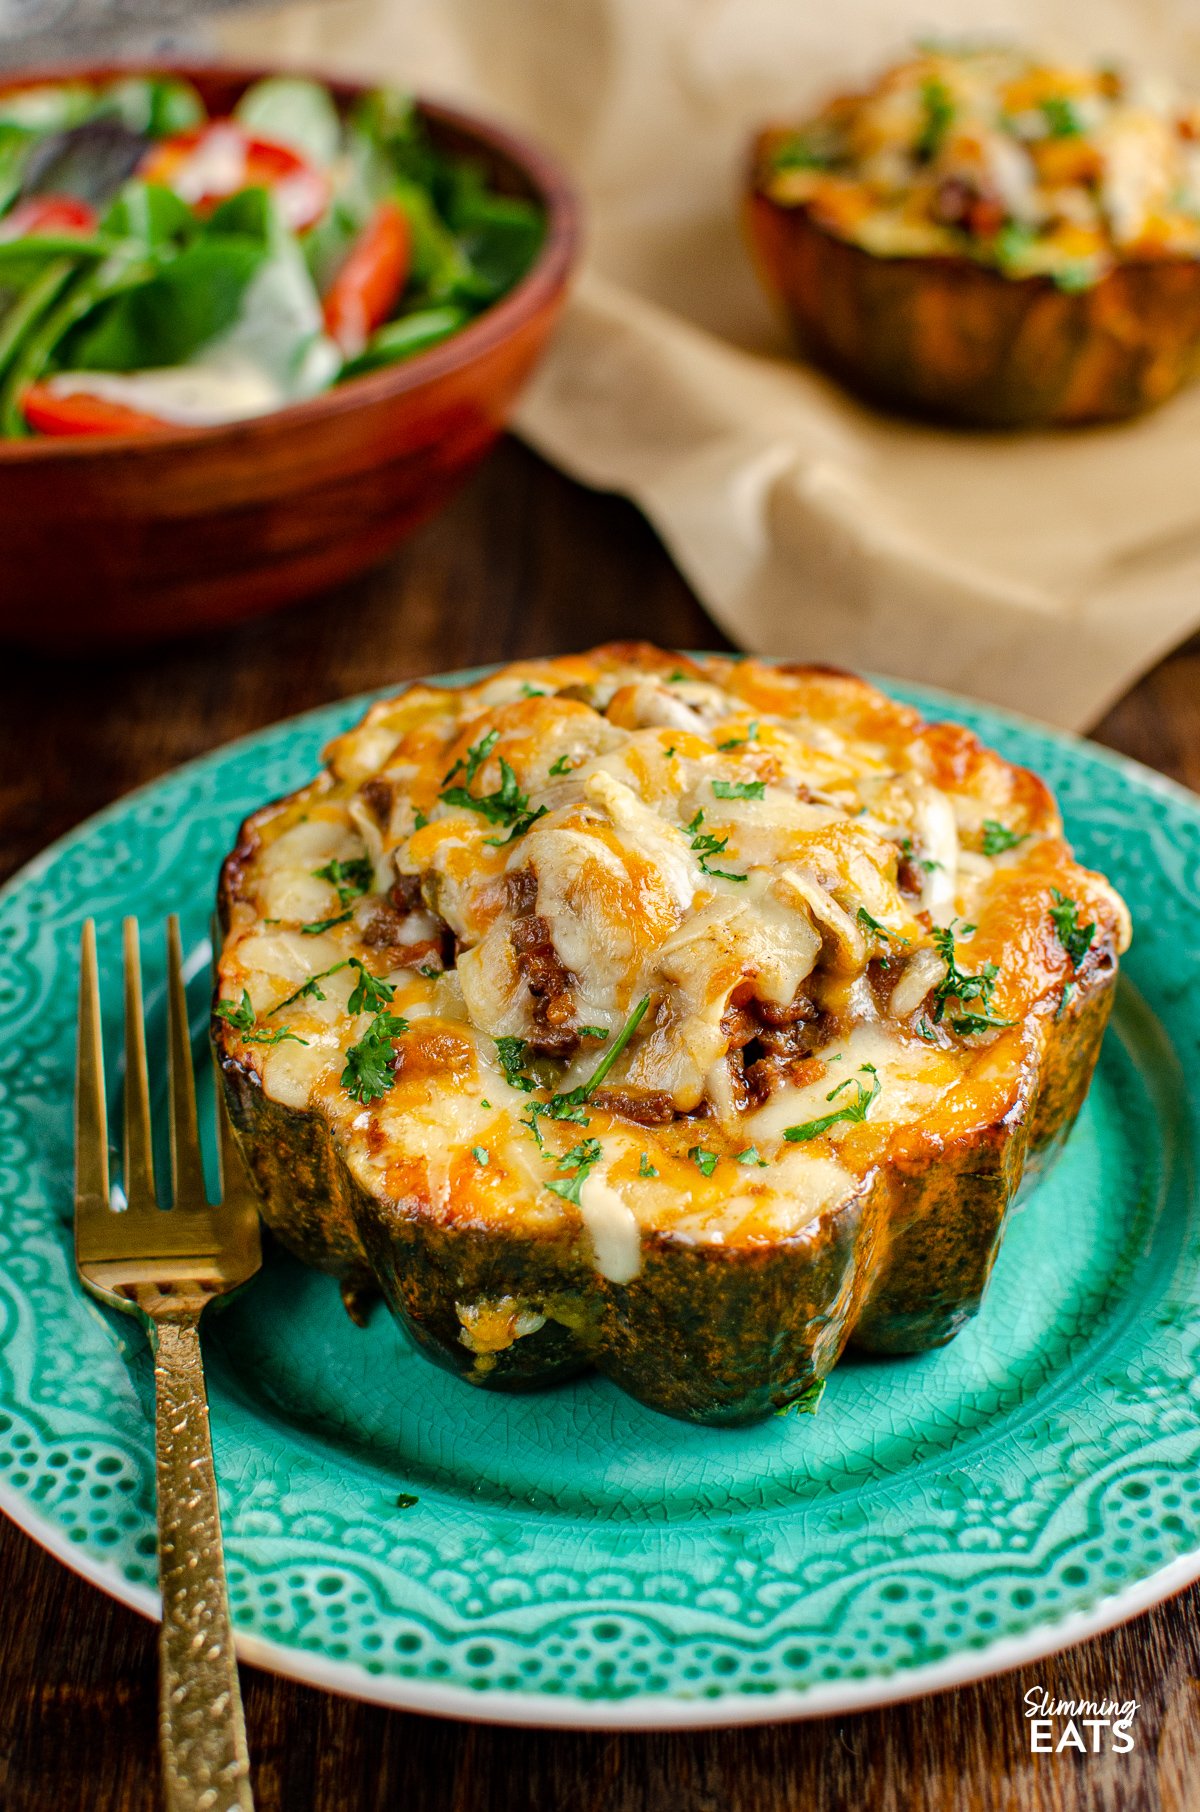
{"x":136,"y":538}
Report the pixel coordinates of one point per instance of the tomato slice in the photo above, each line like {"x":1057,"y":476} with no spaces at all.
{"x":208,"y":164}
{"x":51,"y":411}
{"x":48,"y":214}
{"x":371,"y":281}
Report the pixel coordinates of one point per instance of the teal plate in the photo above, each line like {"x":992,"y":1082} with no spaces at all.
{"x":570,"y":1557}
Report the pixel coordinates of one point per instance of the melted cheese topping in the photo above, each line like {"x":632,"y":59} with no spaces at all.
{"x":838,"y":918}
{"x":1029,"y":166}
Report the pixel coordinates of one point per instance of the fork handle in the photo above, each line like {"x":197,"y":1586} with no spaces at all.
{"x":202,"y":1733}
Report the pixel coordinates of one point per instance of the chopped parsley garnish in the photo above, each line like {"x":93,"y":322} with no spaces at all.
{"x":520,"y":826}
{"x":484,"y":1102}
{"x":799,"y":153}
{"x":311,"y":989}
{"x":371,"y":1063}
{"x":477,"y":754}
{"x":738,"y":789}
{"x":419,"y":822}
{"x":528,"y":691}
{"x":750,"y":1156}
{"x":957,"y":985}
{"x":1011,"y":244}
{"x":429,"y":972}
{"x":508,"y":805}
{"x":739,"y":742}
{"x":369,"y":994}
{"x":905,"y":847}
{"x":240,"y":1015}
{"x":405,"y":1500}
{"x":1079,"y":275}
{"x":938,"y":106}
{"x":480,"y":1154}
{"x":706,"y":845}
{"x":678,"y":674}
{"x":351,"y":878}
{"x":605,"y":1064}
{"x":645,"y":1167}
{"x":510,"y":1054}
{"x":997,"y":837}
{"x":874,"y":929}
{"x":1065,"y":1002}
{"x":1062,"y":116}
{"x":705,"y":1161}
{"x":315,"y":927}
{"x":970,"y":1025}
{"x":581,"y":1160}
{"x":559,"y":1107}
{"x":599,"y":1032}
{"x":1076,"y":939}
{"x":853,"y":1111}
{"x":571,"y":1105}
{"x":562,"y":766}
{"x":808,"y":1402}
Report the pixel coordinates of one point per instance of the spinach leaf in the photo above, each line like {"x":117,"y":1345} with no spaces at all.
{"x":15,"y":146}
{"x":499,"y":234}
{"x":151,"y":214}
{"x":33,"y":251}
{"x":25,"y":303}
{"x":440,"y":271}
{"x":179,"y":305}
{"x":250,"y":212}
{"x":404,"y":338}
{"x":124,"y":267}
{"x":388,"y":122}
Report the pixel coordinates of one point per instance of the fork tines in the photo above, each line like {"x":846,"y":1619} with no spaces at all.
{"x":206,"y":1246}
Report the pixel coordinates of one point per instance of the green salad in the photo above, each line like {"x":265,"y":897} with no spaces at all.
{"x":161,"y":267}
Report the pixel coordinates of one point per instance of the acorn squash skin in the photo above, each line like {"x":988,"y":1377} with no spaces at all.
{"x":962,"y":343}
{"x":708,"y":1333}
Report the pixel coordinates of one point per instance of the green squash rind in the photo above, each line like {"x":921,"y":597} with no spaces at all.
{"x":709,"y":1333}
{"x":962,"y":342}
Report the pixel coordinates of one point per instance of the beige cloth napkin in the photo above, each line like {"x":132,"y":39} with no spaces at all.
{"x":1043,"y":572}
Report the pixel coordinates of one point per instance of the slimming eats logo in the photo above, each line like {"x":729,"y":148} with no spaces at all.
{"x":1058,"y":1724}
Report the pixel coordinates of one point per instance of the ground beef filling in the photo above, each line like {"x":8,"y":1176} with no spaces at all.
{"x":551,"y":984}
{"x":385,"y":927}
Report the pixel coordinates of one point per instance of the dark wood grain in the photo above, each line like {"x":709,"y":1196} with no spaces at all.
{"x":523,"y":563}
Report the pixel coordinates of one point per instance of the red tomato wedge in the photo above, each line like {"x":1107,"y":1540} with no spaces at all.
{"x":48,"y":214}
{"x":371,"y":281}
{"x":50,"y":411}
{"x":210,"y":163}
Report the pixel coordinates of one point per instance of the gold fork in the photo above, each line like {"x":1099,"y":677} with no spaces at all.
{"x":165,"y":1268}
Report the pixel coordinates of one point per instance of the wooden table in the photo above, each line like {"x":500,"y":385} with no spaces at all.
{"x":523,"y":563}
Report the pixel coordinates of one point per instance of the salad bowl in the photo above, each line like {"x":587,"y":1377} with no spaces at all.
{"x":122,"y":538}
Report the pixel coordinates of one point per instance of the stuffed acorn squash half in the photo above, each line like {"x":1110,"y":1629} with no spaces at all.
{"x":683,"y":1018}
{"x":990,"y":239}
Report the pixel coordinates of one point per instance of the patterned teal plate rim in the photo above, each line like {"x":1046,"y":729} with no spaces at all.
{"x":570,"y":1558}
